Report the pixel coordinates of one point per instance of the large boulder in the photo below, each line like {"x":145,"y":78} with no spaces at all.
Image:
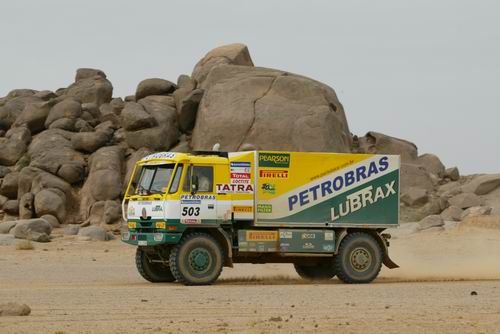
{"x":134,"y":117}
{"x":89,"y":142}
{"x":187,"y":109}
{"x":51,"y":201}
{"x":452,"y":213}
{"x":465,"y":200}
{"x":153,"y":86}
{"x":414,"y":196}
{"x":483,"y":184}
{"x":11,"y":207}
{"x":11,"y":150}
{"x":415,"y":176}
{"x":26,"y":206}
{"x":67,"y":108}
{"x":13,"y":107}
{"x":268,"y":109}
{"x":95,"y":233}
{"x":91,"y":87}
{"x":14,"y":309}
{"x":432,"y":164}
{"x":378,"y":143}
{"x":231,"y":54}
{"x":33,"y":116}
{"x":33,"y":229}
{"x":105,"y":178}
{"x":53,"y":152}
{"x":452,"y":173}
{"x":19,"y":134}
{"x":5,"y":227}
{"x":159,"y":137}
{"x":430,"y":222}
{"x":9,"y":185}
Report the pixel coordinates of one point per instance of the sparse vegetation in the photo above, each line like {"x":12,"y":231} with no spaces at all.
{"x":24,"y":245}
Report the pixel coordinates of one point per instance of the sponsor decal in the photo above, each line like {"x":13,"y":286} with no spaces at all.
{"x":328,"y":248}
{"x":273,"y":174}
{"x":326,"y":188}
{"x":240,"y":175}
{"x":191,"y":221}
{"x":308,"y":245}
{"x":269,"y":188}
{"x":197,"y":197}
{"x":234,"y":188}
{"x":160,"y":155}
{"x":276,"y":160}
{"x":131,"y":211}
{"x":240,"y":167}
{"x":264,"y":208}
{"x":308,"y":236}
{"x":262,"y":235}
{"x":362,"y":198}
{"x":243,"y":209}
{"x":240,"y":181}
{"x":157,"y":208}
{"x":286,"y":235}
{"x":190,"y":201}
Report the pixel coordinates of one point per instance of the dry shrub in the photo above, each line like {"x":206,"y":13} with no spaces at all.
{"x":24,"y":245}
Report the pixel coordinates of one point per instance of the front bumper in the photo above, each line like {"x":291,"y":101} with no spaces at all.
{"x":150,"y":239}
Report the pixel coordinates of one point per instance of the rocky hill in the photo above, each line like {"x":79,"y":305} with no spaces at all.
{"x":65,"y":156}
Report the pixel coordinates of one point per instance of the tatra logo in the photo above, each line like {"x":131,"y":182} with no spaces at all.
{"x":273,"y":174}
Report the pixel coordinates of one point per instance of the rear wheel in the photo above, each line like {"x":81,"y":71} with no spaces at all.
{"x":197,"y":259}
{"x":321,"y":271}
{"x":150,"y":267}
{"x":359,"y":258}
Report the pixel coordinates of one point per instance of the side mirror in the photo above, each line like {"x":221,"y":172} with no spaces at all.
{"x":194,"y":184}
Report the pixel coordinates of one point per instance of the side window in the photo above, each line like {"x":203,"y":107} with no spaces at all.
{"x":205,"y":178}
{"x":177,"y":179}
{"x":187,"y":181}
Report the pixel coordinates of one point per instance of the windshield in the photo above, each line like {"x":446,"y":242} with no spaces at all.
{"x":154,"y":179}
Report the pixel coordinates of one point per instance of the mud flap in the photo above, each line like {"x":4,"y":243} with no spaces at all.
{"x":388,"y":262}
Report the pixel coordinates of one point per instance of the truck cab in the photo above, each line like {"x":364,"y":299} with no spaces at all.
{"x":192,"y":214}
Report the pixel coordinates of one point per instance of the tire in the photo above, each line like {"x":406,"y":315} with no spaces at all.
{"x":359,"y":258}
{"x":197,"y":259}
{"x":154,"y":272}
{"x":322,"y":271}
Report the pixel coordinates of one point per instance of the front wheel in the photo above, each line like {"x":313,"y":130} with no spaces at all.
{"x":197,"y":259}
{"x":321,"y":271}
{"x":359,"y":258}
{"x":151,"y":268}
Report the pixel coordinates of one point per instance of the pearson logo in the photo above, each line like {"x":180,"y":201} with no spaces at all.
{"x":278,"y":160}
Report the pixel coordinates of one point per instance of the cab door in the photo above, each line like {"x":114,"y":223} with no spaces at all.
{"x":200,"y":205}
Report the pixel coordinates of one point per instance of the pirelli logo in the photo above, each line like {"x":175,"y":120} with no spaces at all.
{"x":273,"y":174}
{"x":262,"y":235}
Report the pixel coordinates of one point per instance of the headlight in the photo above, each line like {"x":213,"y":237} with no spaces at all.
{"x":132,"y":225}
{"x":160,"y":225}
{"x":126,"y":236}
{"x":158,"y":237}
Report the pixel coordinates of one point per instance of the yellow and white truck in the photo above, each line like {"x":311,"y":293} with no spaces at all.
{"x":192,"y":214}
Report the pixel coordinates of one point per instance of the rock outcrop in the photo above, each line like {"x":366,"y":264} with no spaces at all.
{"x":66,"y":156}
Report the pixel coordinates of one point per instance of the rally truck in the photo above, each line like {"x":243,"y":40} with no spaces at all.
{"x":190,"y":215}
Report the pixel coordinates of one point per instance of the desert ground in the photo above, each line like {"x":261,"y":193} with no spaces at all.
{"x":77,"y":286}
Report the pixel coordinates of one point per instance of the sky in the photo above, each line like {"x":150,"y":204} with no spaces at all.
{"x":427,"y":71}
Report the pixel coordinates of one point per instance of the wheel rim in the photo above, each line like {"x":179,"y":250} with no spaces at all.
{"x":361,"y":259}
{"x":200,"y":259}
